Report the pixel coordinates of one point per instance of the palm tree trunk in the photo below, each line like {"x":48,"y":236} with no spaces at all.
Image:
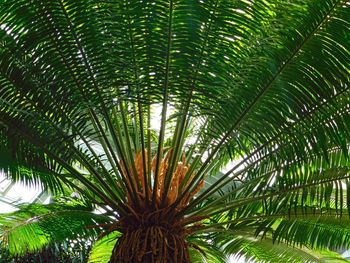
{"x":151,"y":244}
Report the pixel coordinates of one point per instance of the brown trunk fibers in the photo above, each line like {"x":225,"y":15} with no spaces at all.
{"x":155,"y":235}
{"x":153,"y":239}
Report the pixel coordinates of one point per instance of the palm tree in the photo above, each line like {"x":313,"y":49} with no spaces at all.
{"x":197,"y":129}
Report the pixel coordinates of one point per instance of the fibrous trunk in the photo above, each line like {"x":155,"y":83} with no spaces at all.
{"x":151,"y":239}
{"x":152,"y":232}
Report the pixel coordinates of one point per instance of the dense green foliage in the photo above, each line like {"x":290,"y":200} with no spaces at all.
{"x":136,"y":104}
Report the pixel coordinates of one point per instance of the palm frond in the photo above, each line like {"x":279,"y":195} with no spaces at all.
{"x":102,"y":248}
{"x":263,"y":249}
{"x":314,"y":231}
{"x":35,"y":226}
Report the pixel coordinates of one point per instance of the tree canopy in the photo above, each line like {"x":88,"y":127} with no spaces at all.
{"x":197,"y":128}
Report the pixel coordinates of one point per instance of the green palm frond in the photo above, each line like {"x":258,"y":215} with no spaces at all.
{"x":203,"y":250}
{"x":63,"y":252}
{"x":263,"y":249}
{"x":35,"y":226}
{"x":274,"y":237}
{"x":102,"y":248}
{"x":300,"y":185}
{"x":307,"y":229}
{"x":26,"y":164}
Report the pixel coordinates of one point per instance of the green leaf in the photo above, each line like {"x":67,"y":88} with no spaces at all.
{"x":34,"y":226}
{"x":262,"y":249}
{"x":102,"y":249}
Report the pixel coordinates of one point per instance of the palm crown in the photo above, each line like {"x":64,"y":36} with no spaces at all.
{"x":197,"y":127}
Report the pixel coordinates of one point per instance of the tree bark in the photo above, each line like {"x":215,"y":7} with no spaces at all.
{"x":151,"y":244}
